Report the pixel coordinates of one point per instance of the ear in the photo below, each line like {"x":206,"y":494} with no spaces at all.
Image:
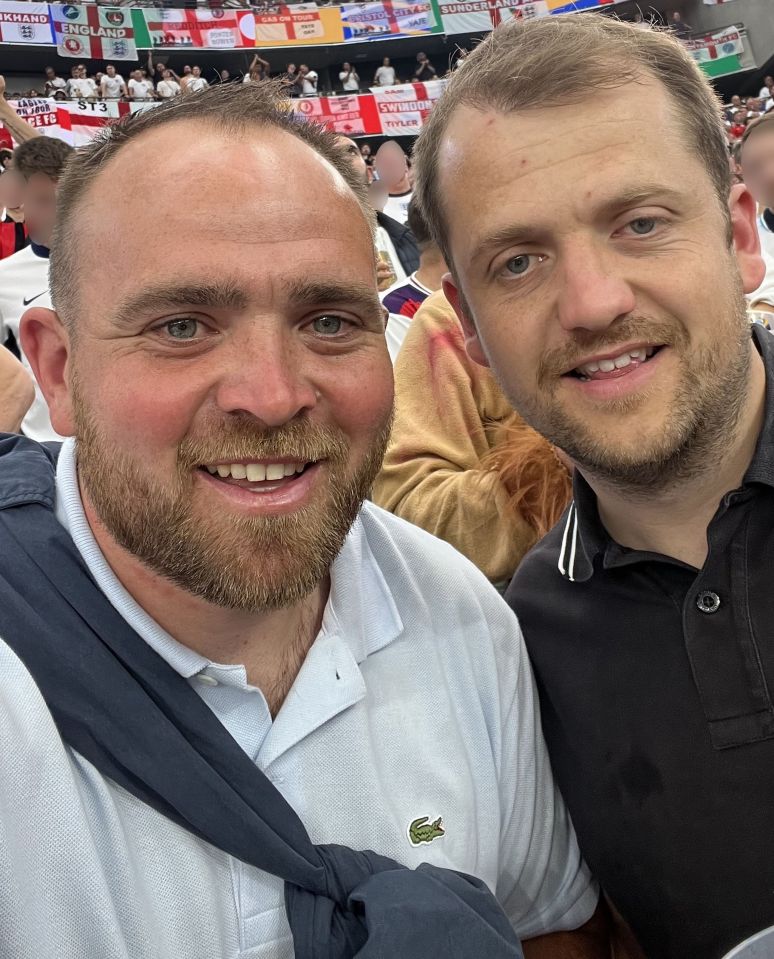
{"x":472,"y":342}
{"x":745,"y":237}
{"x":46,"y":345}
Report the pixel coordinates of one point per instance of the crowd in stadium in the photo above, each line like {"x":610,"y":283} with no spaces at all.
{"x":384,"y":531}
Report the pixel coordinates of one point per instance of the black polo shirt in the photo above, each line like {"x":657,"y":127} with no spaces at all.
{"x":656,"y":683}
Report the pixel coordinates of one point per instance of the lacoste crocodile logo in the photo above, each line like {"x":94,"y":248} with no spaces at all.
{"x":421,"y":830}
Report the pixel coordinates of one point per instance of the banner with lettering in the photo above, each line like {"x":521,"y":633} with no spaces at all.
{"x":352,"y":116}
{"x":298,"y":24}
{"x":388,"y":19}
{"x":218,"y":29}
{"x":403,"y":109}
{"x":26,"y":23}
{"x":94,"y":33}
{"x":725,"y":43}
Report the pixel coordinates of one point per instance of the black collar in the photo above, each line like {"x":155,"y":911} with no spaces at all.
{"x":584,"y":538}
{"x":38,"y":250}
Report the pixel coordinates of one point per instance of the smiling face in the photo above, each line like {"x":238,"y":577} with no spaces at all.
{"x":592,"y":255}
{"x":231,"y":403}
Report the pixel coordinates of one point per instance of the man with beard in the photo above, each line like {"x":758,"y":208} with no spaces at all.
{"x":220,"y":669}
{"x":607,"y":295}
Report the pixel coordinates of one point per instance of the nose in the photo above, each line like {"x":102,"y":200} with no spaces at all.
{"x":267,"y":377}
{"x":594,"y":292}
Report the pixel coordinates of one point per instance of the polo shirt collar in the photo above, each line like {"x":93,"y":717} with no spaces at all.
{"x":584,"y":538}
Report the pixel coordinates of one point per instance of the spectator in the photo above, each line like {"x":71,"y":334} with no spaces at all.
{"x":17,"y":392}
{"x":733,"y":108}
{"x":223,"y":624}
{"x":80,"y":86}
{"x":308,"y":80}
{"x":168,"y":87}
{"x":292,"y":80}
{"x":13,"y":231}
{"x":112,"y":86}
{"x":460,"y":463}
{"x":462,"y":55}
{"x":6,"y":159}
{"x":767,"y":90}
{"x":224,"y":76}
{"x":679,"y":27}
{"x":385,"y":75}
{"x":53,"y":82}
{"x":757,"y":164}
{"x":425,"y":71}
{"x":140,"y":88}
{"x":186,"y":78}
{"x":405,"y":297}
{"x":365,"y":153}
{"x":24,"y":276}
{"x":349,"y":79}
{"x":392,"y":166}
{"x":258,"y":70}
{"x":196,"y":82}
{"x":640,"y":23}
{"x":155,"y":70}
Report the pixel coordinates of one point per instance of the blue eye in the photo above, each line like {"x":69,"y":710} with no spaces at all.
{"x":183,"y":329}
{"x":518,"y":264}
{"x":643,"y":225}
{"x":327,"y":325}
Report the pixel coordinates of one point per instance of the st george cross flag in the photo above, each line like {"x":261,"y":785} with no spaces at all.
{"x":94,"y":33}
{"x":25,"y":23}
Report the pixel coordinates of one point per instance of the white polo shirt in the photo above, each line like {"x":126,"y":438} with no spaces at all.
{"x":416,"y":699}
{"x":24,"y":284}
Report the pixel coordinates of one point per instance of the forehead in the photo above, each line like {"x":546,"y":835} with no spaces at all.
{"x":566,"y":152}
{"x":247,"y":201}
{"x":760,"y":143}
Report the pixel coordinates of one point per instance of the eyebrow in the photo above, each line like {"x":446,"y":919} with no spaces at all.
{"x":161,"y":298}
{"x":523,"y":233}
{"x":317,"y":292}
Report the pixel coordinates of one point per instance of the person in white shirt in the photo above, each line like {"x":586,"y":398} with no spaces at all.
{"x":391,"y":164}
{"x":53,"y":82}
{"x":308,"y":80}
{"x":80,"y":86}
{"x":40,"y":161}
{"x":139,"y":87}
{"x":767,"y":90}
{"x":196,"y":82}
{"x":112,"y":86}
{"x":167,"y":88}
{"x":258,"y":70}
{"x":349,"y":79}
{"x":385,"y":75}
{"x":228,"y":423}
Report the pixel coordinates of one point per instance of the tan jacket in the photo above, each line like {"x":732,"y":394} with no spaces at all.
{"x":461,"y":464}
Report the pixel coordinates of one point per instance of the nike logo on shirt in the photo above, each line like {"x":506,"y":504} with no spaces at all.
{"x":27,"y":302}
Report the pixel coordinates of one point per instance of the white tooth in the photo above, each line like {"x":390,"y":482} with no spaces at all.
{"x":275,"y":472}
{"x":224,"y":471}
{"x":238,"y":471}
{"x":590,"y":368}
{"x":606,"y":366}
{"x":211,"y":469}
{"x":638,"y":355}
{"x":256,"y":473}
{"x":622,"y":361}
{"x":290,"y":469}
{"x":300,"y":467}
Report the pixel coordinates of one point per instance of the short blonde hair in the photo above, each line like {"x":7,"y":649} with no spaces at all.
{"x":565,"y":59}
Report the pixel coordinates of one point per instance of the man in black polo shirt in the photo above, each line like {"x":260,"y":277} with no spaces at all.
{"x":599,"y":266}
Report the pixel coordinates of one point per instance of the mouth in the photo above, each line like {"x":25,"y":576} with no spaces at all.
{"x":260,"y":477}
{"x":614,"y":365}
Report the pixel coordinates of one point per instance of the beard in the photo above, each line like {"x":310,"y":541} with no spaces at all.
{"x":703,"y":415}
{"x":249,"y":563}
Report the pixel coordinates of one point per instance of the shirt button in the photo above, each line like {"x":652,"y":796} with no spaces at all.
{"x":206,"y":680}
{"x":707,"y":601}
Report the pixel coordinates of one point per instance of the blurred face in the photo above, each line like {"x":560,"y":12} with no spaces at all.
{"x":50,"y":74}
{"x":231,"y":405}
{"x":421,"y":57}
{"x":390,"y":163}
{"x":345,"y":66}
{"x":386,"y":61}
{"x":197,"y":71}
{"x":736,"y":101}
{"x":39,"y":198}
{"x":758,"y":164}
{"x":599,"y":287}
{"x":11,"y":189}
{"x":167,"y":75}
{"x":224,"y":74}
{"x":111,"y":71}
